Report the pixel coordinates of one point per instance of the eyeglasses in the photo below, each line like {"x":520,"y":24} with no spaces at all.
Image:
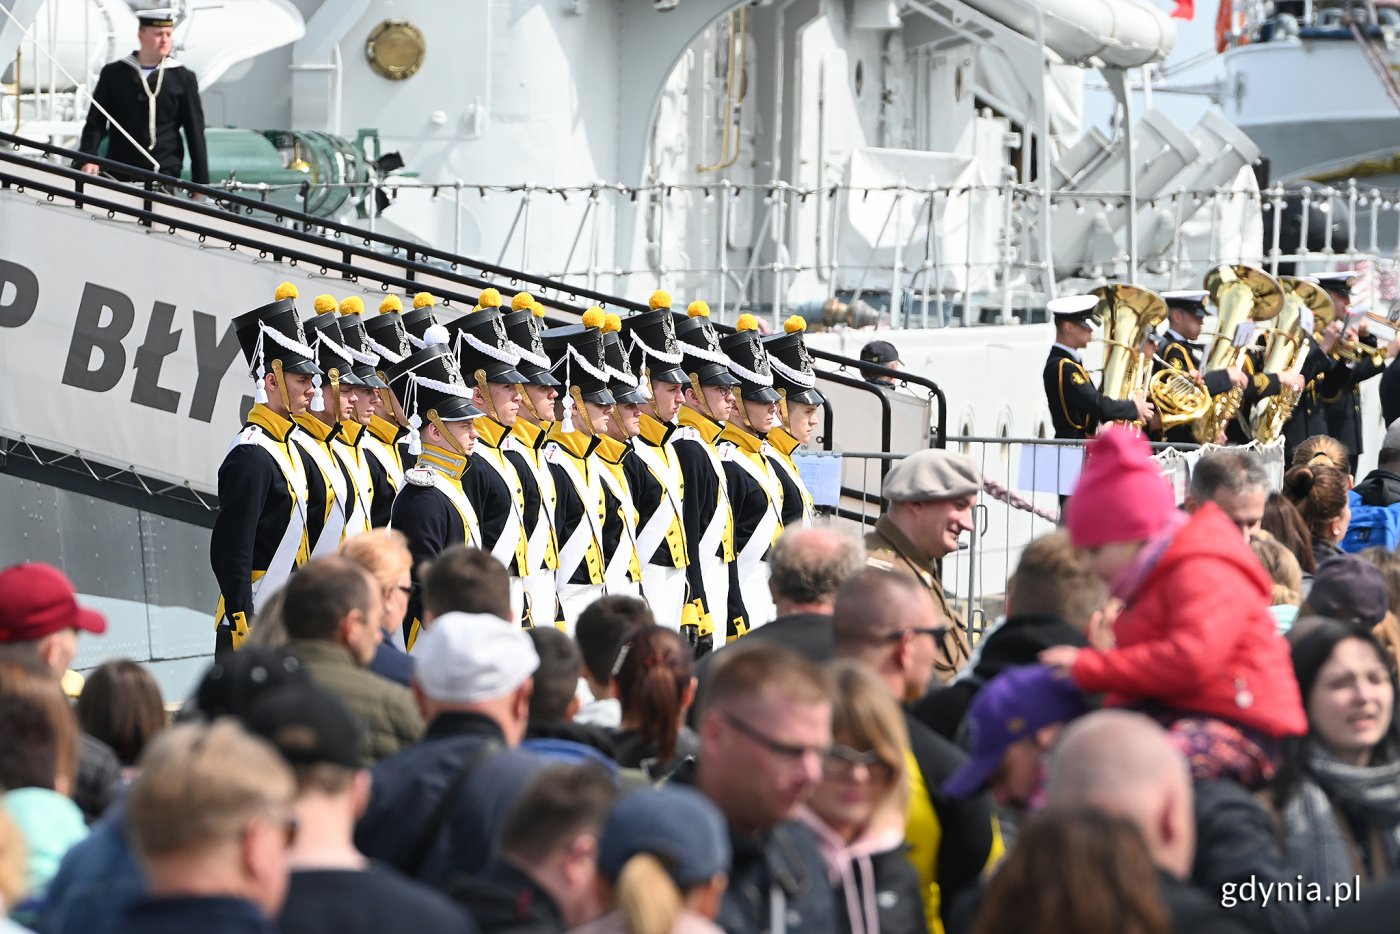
{"x":780,"y":749}
{"x":841,"y":762}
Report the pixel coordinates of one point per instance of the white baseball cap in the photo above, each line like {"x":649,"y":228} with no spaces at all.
{"x":464,"y":658}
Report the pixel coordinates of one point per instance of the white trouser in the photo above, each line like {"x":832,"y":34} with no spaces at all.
{"x":517,"y":600}
{"x":664,"y":589}
{"x":540,"y":588}
{"x":758,"y":601}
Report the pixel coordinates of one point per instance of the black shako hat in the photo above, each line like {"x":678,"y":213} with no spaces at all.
{"x":352,"y":330}
{"x":523,"y":328}
{"x":649,"y":337}
{"x":794,"y":376}
{"x":480,"y":342}
{"x":274,"y":332}
{"x":577,"y":354}
{"x":622,"y":382}
{"x":419,"y":318}
{"x":324,"y":335}
{"x":749,"y":362}
{"x":429,"y":381}
{"x":385,"y":336}
{"x":700,"y":350}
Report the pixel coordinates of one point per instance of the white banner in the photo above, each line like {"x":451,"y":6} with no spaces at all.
{"x":117,"y":342}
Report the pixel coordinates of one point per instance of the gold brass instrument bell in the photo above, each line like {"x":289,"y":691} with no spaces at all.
{"x":1240,"y":294}
{"x":1130,"y":314}
{"x":1285,"y":351}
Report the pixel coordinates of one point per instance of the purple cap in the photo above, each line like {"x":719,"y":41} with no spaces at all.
{"x":1010,"y":707}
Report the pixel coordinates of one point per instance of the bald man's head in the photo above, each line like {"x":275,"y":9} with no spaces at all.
{"x":1123,"y":763}
{"x":889,"y":621}
{"x":807,"y":567}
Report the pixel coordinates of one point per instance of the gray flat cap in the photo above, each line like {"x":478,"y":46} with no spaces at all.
{"x":932,"y":474}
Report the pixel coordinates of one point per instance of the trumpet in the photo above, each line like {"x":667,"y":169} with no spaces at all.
{"x":1353,"y":350}
{"x":1240,"y":294}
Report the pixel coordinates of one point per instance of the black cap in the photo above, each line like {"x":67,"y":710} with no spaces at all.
{"x":794,"y":375}
{"x":282,"y":338}
{"x":577,"y":353}
{"x":622,"y":382}
{"x":749,"y":362}
{"x":881,"y":352}
{"x":1192,"y":301}
{"x":352,"y":329}
{"x":308,"y":725}
{"x":650,"y":340}
{"x":700,"y":350}
{"x":231,"y":685}
{"x":480,"y":341}
{"x":332,"y":356}
{"x":386,"y":338}
{"x":523,"y":328}
{"x":436,"y":364}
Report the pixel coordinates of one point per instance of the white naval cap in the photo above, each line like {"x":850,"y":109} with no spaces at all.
{"x":1078,"y":308}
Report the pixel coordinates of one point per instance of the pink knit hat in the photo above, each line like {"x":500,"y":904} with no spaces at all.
{"x":1121,"y":495}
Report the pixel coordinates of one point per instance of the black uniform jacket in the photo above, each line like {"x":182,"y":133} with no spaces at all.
{"x":1077,"y":408}
{"x":177,"y":108}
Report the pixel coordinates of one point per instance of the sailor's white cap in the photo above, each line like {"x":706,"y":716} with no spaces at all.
{"x":1078,"y":308}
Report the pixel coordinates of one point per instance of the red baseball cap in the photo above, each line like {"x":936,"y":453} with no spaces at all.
{"x":37,"y":600}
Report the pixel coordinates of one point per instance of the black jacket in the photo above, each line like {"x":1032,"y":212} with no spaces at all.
{"x":504,"y":900}
{"x":1017,"y":641}
{"x":178,"y":108}
{"x":1380,"y":487}
{"x":409,"y":785}
{"x":1375,"y":913}
{"x":1077,"y":408}
{"x":899,"y":905}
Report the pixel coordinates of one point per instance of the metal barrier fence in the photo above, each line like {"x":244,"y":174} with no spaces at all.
{"x":1023,"y":480}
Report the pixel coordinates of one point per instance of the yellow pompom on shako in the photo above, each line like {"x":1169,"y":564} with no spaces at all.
{"x":698,"y":310}
{"x":746,"y":322}
{"x":489,"y":298}
{"x":390,"y":305}
{"x":537,"y":310}
{"x":612,"y":322}
{"x":522,"y":301}
{"x":795,"y":324}
{"x":324,"y":304}
{"x":353,"y":305}
{"x":659,"y":299}
{"x":594,"y":317}
{"x":286,"y":290}
{"x":424,"y":300}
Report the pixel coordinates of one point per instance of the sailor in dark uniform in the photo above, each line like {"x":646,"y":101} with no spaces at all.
{"x":492,"y":485}
{"x":571,"y":452}
{"x":1077,"y":408}
{"x":1325,"y":377}
{"x":153,"y":98}
{"x":259,"y":536}
{"x":353,"y":442}
{"x":755,"y":492}
{"x":387,"y":339}
{"x":799,"y":407}
{"x":658,"y":489}
{"x":1181,"y":349}
{"x":538,"y":392}
{"x":1342,"y":401}
{"x":621,"y":563}
{"x":709,"y":522}
{"x":431,"y":509}
{"x":334,"y":511}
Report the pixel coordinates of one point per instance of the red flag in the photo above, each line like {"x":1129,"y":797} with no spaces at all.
{"x":1185,"y":9}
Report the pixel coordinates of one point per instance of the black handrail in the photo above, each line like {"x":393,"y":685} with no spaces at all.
{"x":940,"y":427}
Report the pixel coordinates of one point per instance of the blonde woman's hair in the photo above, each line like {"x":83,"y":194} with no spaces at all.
{"x":647,"y":897}
{"x":201,"y":784}
{"x":865,"y":715}
{"x":382,"y":552}
{"x":1283,"y":568}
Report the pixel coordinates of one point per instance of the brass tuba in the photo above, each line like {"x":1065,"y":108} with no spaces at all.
{"x":1285,"y":352}
{"x":1130,"y":313}
{"x":1240,"y":294}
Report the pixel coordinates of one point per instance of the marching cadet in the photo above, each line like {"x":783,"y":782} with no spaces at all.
{"x":353,"y":441}
{"x":799,"y":407}
{"x":431,"y":510}
{"x":755,"y":492}
{"x":709,"y":522}
{"x":1186,"y":314}
{"x":386,"y":338}
{"x":538,"y":392}
{"x":334,"y":511}
{"x":655,"y":471}
{"x":492,"y":485}
{"x":570,"y":450}
{"x":622,"y":566}
{"x":259,"y":536}
{"x":1077,"y":408}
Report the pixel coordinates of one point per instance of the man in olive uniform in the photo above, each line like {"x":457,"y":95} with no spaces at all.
{"x":658,"y":489}
{"x":431,"y":510}
{"x":259,"y":536}
{"x":1077,"y":408}
{"x":755,"y":492}
{"x":931,"y":495}
{"x":799,"y":407}
{"x":492,"y":484}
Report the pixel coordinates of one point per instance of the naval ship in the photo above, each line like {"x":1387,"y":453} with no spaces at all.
{"x":920,"y":171}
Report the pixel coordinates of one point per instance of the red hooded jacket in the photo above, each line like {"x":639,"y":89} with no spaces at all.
{"x":1198,"y":636}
